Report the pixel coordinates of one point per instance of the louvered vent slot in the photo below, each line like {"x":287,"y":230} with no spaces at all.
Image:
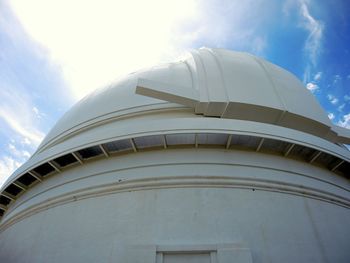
{"x":26,"y":179}
{"x":65,"y":160}
{"x":116,"y":146}
{"x":302,"y":152}
{"x":4,"y":200}
{"x":90,"y":152}
{"x":12,"y":189}
{"x":277,"y":146}
{"x":180,"y":139}
{"x":44,"y":169}
{"x":344,"y":168}
{"x":212,"y":139}
{"x":149,"y":141}
{"x":245,"y":142}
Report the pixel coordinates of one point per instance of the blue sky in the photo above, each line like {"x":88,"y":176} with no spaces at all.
{"x":54,"y":52}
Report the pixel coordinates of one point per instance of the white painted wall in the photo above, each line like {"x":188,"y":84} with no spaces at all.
{"x":185,"y":199}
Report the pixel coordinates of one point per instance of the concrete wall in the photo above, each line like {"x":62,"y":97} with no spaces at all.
{"x":158,"y":206}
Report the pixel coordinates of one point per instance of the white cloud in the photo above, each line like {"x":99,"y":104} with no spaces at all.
{"x":7,"y":166}
{"x":315,"y":28}
{"x":336,"y":79}
{"x":17,"y":117}
{"x":341,"y":107}
{"x":25,"y":141}
{"x":258,"y":45}
{"x":14,"y":156}
{"x":318,"y":76}
{"x":12,"y":159}
{"x":346,"y":97}
{"x":345,"y":121}
{"x":38,"y":113}
{"x":97,"y":41}
{"x":35,"y":110}
{"x":332,"y":99}
{"x":21,"y":126}
{"x":331,"y":116}
{"x":23,"y":155}
{"x":313,"y":42}
{"x":312,"y":86}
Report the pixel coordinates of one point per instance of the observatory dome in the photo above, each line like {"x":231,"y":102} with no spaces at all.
{"x":214,"y":83}
{"x":220,"y":155}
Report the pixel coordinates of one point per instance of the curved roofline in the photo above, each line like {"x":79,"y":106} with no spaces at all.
{"x":55,"y":163}
{"x":214,"y":83}
{"x":104,"y":132}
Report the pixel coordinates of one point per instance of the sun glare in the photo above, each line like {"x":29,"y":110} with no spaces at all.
{"x":97,"y":41}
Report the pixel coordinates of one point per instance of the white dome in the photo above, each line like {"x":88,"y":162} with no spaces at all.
{"x":214,"y":82}
{"x":220,"y":156}
{"x":209,"y":83}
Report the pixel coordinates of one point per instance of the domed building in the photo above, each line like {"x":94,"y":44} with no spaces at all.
{"x":222,"y":157}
